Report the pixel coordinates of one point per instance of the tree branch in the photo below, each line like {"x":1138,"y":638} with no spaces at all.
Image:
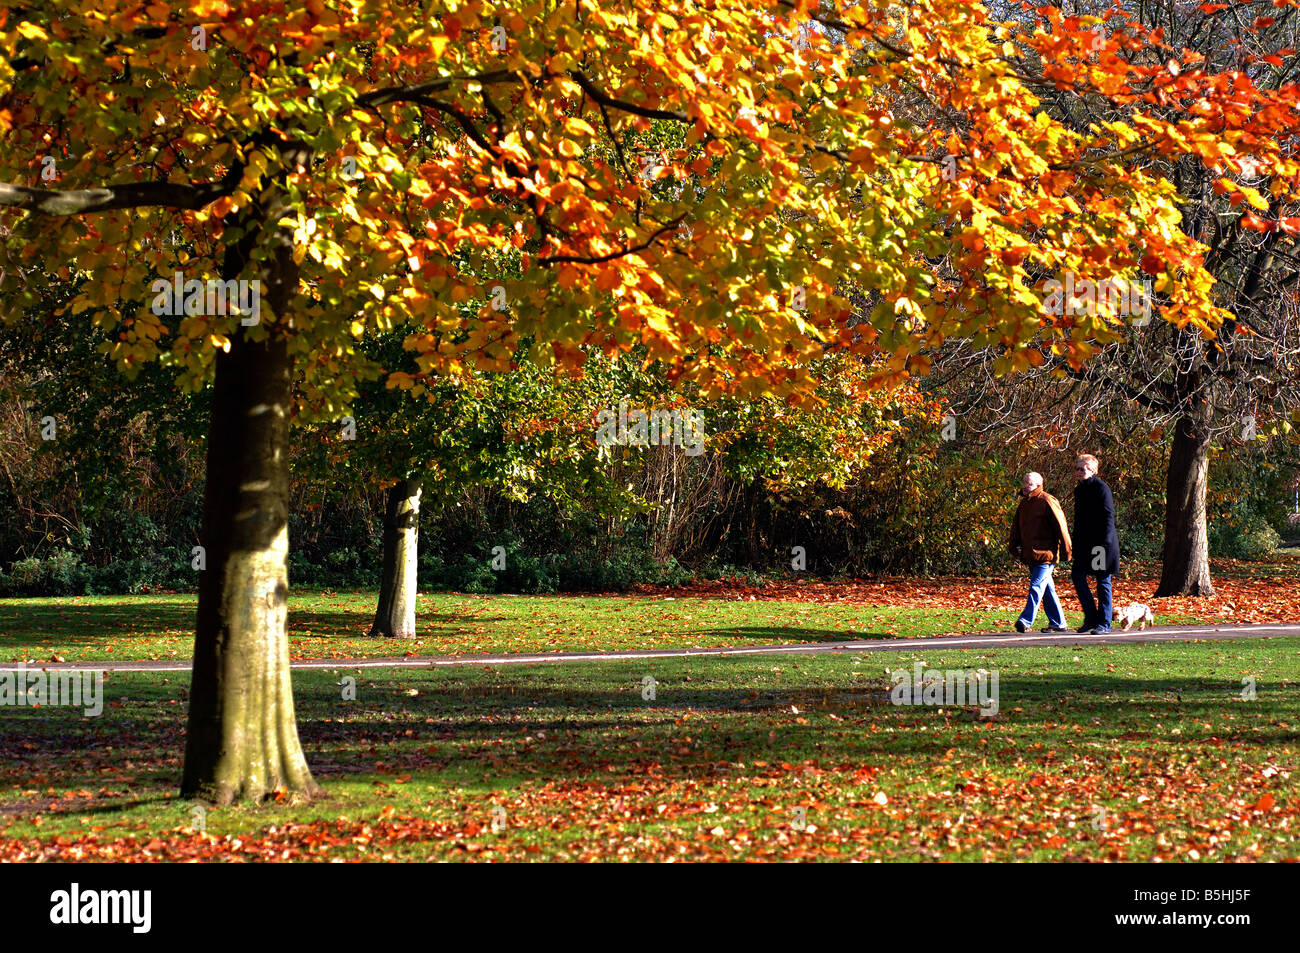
{"x":134,"y":195}
{"x":405,"y":94}
{"x":600,"y":259}
{"x":606,"y":100}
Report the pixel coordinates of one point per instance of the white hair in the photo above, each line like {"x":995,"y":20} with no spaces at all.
{"x":1034,"y":477}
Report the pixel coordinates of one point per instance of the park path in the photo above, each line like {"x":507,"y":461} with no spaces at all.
{"x":1184,"y":633}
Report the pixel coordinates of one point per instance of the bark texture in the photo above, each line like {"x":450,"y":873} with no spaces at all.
{"x":242,"y":735}
{"x":1186,"y":570}
{"x":395,"y":614}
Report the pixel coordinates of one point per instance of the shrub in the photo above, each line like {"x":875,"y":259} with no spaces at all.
{"x":1252,"y":539}
{"x":1261,"y":542}
{"x":61,"y":573}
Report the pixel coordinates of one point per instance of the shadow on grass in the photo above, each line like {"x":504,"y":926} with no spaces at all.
{"x":318,"y":624}
{"x":595,"y":726}
{"x":62,"y":624}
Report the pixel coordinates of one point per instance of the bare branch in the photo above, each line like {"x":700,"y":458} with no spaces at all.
{"x":134,"y":195}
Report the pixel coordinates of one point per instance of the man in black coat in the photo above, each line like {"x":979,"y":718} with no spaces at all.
{"x":1096,"y":545}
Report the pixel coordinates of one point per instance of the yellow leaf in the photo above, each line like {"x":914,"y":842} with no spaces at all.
{"x":578,"y":127}
{"x":656,"y":321}
{"x":1253,"y":197}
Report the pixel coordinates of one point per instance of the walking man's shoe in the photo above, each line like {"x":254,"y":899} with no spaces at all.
{"x":1052,"y":629}
{"x":1086,"y":627}
{"x":1101,"y":630}
{"x":1020,"y":626}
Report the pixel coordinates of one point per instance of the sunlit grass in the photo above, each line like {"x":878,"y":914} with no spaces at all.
{"x":1100,"y":752}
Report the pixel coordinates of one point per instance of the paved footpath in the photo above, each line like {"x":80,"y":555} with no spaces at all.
{"x":1185,"y":633}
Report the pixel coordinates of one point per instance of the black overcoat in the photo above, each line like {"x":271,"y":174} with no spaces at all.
{"x":1094,"y":525}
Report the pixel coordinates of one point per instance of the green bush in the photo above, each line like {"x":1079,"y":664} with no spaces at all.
{"x":1254,"y":539}
{"x":1260,"y":542}
{"x":25,"y":575}
{"x":345,"y":568}
{"x":61,"y":573}
{"x":714,"y":570}
{"x":469,"y":574}
{"x":157,"y":570}
{"x":548,"y":572}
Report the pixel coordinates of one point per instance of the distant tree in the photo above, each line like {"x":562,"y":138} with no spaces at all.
{"x":1204,"y":101}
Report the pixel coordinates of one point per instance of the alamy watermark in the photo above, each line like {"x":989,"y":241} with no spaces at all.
{"x":75,"y":906}
{"x":658,"y":427}
{"x":952,"y":687}
{"x":1084,"y":296}
{"x":34,"y":688}
{"x":213,"y":297}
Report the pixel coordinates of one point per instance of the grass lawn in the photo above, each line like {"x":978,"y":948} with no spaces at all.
{"x":334,"y":624}
{"x":1124,"y":752}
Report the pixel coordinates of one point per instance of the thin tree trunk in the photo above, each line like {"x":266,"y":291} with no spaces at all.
{"x":1186,"y":570}
{"x":242,"y":739}
{"x":395,"y":614}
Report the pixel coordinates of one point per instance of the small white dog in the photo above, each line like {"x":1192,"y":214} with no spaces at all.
{"x":1136,"y":612}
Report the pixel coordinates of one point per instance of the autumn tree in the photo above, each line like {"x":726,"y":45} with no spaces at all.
{"x":111,"y":458}
{"x":1204,"y":100}
{"x":516,"y":433}
{"x":359,"y":161}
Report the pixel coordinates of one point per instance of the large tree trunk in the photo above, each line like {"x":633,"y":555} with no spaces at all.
{"x":242,"y":737}
{"x":395,"y":615}
{"x":1186,"y":570}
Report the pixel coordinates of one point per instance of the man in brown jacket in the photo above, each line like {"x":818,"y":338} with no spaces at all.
{"x":1040,"y":538}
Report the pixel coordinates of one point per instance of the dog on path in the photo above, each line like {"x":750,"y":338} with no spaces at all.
{"x":1135,"y":612}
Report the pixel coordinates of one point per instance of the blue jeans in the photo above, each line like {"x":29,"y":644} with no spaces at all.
{"x":1042,"y":589}
{"x":1096,"y":612}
